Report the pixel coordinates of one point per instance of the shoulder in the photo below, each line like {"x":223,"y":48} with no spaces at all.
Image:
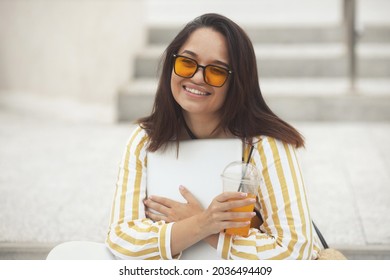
{"x":270,"y":151}
{"x":138,"y":136}
{"x":268,"y":144}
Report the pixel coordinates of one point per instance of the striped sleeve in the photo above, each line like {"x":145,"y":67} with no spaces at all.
{"x":287,"y":231}
{"x":131,"y":235}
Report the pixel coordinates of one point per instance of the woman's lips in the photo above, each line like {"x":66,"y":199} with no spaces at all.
{"x":195,"y":91}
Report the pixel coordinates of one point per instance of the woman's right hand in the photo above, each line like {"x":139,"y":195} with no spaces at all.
{"x":217,"y":216}
{"x":211,"y":221}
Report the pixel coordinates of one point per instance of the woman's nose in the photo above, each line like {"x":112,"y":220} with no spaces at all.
{"x":198,"y":76}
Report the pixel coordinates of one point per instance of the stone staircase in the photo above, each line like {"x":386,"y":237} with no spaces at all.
{"x":303,"y":72}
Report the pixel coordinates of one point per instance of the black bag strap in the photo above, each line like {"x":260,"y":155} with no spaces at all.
{"x":320,"y":236}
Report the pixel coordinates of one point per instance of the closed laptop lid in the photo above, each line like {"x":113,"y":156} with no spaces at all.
{"x":198,"y":167}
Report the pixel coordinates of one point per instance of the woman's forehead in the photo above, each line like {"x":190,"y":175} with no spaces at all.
{"x":206,"y":44}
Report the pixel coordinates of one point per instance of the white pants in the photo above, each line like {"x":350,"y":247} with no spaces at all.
{"x":80,"y":250}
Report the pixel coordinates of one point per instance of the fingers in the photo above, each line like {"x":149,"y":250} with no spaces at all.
{"x":217,"y":222}
{"x":219,"y":204}
{"x":231,"y":196}
{"x":187,"y":195}
{"x":163,"y":201}
{"x":156,"y":217}
{"x":230,"y":216}
{"x":153,"y":203}
{"x":235,"y":224}
{"x":239,"y":203}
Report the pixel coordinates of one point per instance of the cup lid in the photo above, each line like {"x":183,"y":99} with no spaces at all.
{"x":241,"y":171}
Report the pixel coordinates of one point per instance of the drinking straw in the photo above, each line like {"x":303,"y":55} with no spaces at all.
{"x":246,"y":167}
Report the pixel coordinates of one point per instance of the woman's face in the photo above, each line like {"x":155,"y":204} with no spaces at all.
{"x":194,"y":95}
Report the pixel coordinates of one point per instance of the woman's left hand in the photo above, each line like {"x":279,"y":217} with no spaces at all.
{"x":171,"y":210}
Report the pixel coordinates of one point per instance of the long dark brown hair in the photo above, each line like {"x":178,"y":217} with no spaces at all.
{"x":244,"y":113}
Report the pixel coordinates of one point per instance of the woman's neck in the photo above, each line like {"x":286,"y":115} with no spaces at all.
{"x":203,"y":127}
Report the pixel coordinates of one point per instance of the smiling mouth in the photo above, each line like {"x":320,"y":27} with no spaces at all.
{"x":196,"y":92}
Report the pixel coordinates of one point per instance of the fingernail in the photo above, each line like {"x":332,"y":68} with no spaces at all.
{"x":150,"y":197}
{"x":244,"y":194}
{"x":181,"y":187}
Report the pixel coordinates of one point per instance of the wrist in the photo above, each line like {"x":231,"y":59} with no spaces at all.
{"x":203,"y":227}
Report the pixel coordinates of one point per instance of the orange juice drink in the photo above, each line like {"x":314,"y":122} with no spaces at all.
{"x":239,"y":176}
{"x":242,"y":231}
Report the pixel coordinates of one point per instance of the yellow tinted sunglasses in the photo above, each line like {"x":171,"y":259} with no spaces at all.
{"x":213,"y":75}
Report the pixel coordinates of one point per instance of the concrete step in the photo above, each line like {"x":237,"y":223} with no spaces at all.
{"x":373,"y":60}
{"x":276,"y":34}
{"x":39,"y":251}
{"x":25,"y":251}
{"x":263,"y":34}
{"x":379,"y":33}
{"x":294,"y":61}
{"x":292,"y":99}
{"x":272,"y":61}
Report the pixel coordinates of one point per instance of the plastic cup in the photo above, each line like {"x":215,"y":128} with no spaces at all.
{"x":241,"y":177}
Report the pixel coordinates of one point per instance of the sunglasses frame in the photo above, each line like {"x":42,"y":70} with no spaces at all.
{"x":175,"y":56}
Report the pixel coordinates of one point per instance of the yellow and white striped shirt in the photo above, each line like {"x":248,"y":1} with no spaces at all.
{"x":287,"y":231}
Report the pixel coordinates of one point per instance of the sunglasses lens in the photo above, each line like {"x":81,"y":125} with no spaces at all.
{"x":185,"y":67}
{"x":216,"y":76}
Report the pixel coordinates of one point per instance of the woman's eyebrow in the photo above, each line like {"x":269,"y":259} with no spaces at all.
{"x":214,"y":62}
{"x":190,"y":53}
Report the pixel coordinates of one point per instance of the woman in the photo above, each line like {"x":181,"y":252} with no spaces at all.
{"x":209,"y":89}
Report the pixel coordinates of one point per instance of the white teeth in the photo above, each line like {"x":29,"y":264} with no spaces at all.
{"x":195,"y":91}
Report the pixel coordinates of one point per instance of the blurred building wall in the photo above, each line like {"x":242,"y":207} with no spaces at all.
{"x":85,"y":50}
{"x":75,"y":49}
{"x":296,"y":12}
